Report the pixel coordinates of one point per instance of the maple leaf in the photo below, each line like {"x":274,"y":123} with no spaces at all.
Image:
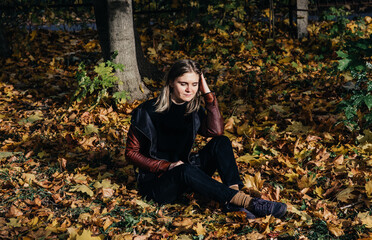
{"x":29,"y":177}
{"x":105,"y":183}
{"x":14,"y":222}
{"x":306,"y":181}
{"x":368,"y":188}
{"x":8,"y":154}
{"x":254,"y":182}
{"x":83,"y":189}
{"x":305,"y":218}
{"x":319,"y":191}
{"x":297,"y":127}
{"x":86,"y":235}
{"x":182,"y":222}
{"x":253,"y":160}
{"x":31,"y":119}
{"x":143,"y":204}
{"x":90,"y":128}
{"x":14,"y":212}
{"x":200,"y":229}
{"x":366,"y":219}
{"x":345,"y":194}
{"x":336,"y":230}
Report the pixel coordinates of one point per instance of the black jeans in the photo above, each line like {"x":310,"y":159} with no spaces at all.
{"x":196,"y":176}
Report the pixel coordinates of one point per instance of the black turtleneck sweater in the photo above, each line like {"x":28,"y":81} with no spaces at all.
{"x":174,"y":131}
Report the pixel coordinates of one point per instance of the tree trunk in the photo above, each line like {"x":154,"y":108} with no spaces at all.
{"x":4,"y":46}
{"x":146,"y":68}
{"x":101,"y":14}
{"x":302,"y":18}
{"x":118,"y":35}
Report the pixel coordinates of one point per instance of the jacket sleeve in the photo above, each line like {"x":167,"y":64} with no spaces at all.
{"x":134,"y":155}
{"x":212,"y":124}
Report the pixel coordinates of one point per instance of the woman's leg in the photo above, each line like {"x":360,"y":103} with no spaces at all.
{"x":176,"y":181}
{"x":171,"y":184}
{"x":218,"y":155}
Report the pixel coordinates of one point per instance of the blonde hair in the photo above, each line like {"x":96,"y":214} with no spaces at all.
{"x":179,"y":68}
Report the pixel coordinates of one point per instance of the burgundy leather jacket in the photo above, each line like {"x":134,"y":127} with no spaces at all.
{"x":141,"y":138}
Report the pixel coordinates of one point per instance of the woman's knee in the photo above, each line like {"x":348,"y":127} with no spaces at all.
{"x":221,"y":141}
{"x":187,"y":172}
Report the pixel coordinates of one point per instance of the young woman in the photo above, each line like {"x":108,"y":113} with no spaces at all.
{"x":162,"y":134}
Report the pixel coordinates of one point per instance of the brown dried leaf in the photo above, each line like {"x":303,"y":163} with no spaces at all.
{"x":14,"y":212}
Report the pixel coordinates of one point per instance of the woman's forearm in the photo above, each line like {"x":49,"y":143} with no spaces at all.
{"x":212,"y":125}
{"x":133,"y":154}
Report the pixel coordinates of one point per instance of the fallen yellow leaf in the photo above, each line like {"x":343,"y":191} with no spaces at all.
{"x":200,"y":230}
{"x":366,"y":219}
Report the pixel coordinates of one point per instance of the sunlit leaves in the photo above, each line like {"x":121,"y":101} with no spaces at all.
{"x":63,"y":170}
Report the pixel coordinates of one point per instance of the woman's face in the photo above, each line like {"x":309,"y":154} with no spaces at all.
{"x":185,"y":87}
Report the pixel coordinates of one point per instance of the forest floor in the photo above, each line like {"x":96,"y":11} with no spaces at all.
{"x":63,"y":173}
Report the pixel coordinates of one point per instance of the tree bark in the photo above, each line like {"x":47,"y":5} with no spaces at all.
{"x":146,"y":68}
{"x":302,"y":18}
{"x":116,"y":33}
{"x":101,"y":14}
{"x":4,"y":45}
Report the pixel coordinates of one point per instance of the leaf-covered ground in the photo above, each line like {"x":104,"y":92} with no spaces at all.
{"x":63,"y":173}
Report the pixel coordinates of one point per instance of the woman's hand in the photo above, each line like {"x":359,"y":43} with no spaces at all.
{"x":175,"y":164}
{"x":203,"y":85}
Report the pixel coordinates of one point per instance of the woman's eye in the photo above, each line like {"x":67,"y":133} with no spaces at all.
{"x":183,"y":84}
{"x":195,"y":84}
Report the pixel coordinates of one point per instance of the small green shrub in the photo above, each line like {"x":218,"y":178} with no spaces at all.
{"x":354,"y":51}
{"x":99,"y":85}
{"x":358,"y":104}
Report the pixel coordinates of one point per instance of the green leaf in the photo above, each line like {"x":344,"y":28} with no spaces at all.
{"x":224,"y":51}
{"x":342,"y":54}
{"x":361,"y":45}
{"x":294,"y":64}
{"x":350,"y":112}
{"x":121,"y":97}
{"x":343,"y":64}
{"x":369,"y":87}
{"x":368,"y":118}
{"x":249,"y":45}
{"x":357,"y":100}
{"x":368,"y":101}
